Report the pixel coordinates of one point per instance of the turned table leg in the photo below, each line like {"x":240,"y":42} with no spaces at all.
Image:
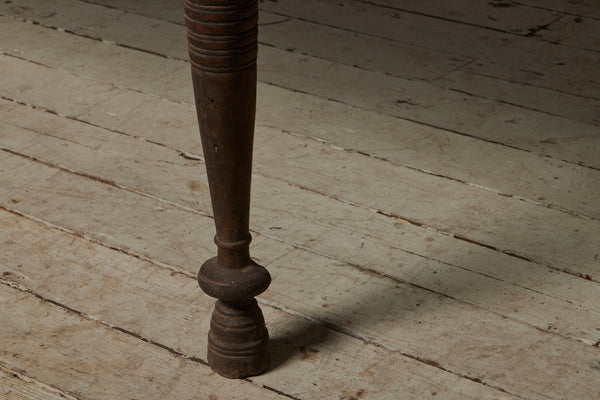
{"x":222,"y":38}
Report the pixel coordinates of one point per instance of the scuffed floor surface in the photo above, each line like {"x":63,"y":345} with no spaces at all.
{"x":426,"y":196}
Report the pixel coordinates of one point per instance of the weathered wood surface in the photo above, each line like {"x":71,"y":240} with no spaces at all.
{"x":88,"y":359}
{"x":545,"y":227}
{"x":500,"y":15}
{"x":118,"y":165}
{"x":575,"y":30}
{"x":418,"y":101}
{"x":574,"y":107}
{"x":401,"y":142}
{"x":383,"y":287}
{"x":580,"y":7}
{"x":16,"y":386}
{"x":349,"y":305}
{"x":423,"y":37}
{"x":118,"y":290}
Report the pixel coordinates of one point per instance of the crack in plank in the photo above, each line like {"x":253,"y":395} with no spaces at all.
{"x":429,"y":81}
{"x":274,"y":305}
{"x":196,"y":157}
{"x":368,"y":340}
{"x":363,"y":268}
{"x":352,"y":203}
{"x":430,"y":125}
{"x":9,"y":369}
{"x":552,"y":10}
{"x":268,"y":303}
{"x":423,"y":14}
{"x":416,"y":223}
{"x":128,"y":332}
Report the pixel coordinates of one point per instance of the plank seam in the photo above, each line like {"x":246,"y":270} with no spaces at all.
{"x":415,"y":285}
{"x":424,"y":171}
{"x":489,"y":28}
{"x":485,"y":245}
{"x":430,"y":125}
{"x":195,"y":157}
{"x":366,"y":34}
{"x":357,"y":33}
{"x":500,"y":193}
{"x":274,"y":305}
{"x":265,"y":302}
{"x":534,"y":30}
{"x":122,"y":87}
{"x":524,"y":84}
{"x":352,"y":203}
{"x":135,"y":335}
{"x":368,"y":340}
{"x":304,"y":248}
{"x":382,"y":212}
{"x":593,"y":124}
{"x":9,"y":369}
{"x":554,"y":10}
{"x":83,"y":35}
{"x":441,"y":231}
{"x":277,"y":306}
{"x":191,"y":156}
{"x":575,"y":46}
{"x":427,"y":81}
{"x":423,"y":123}
{"x":274,"y":22}
{"x":91,"y":239}
{"x":359,"y":67}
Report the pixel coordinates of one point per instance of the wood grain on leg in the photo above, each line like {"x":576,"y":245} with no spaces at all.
{"x":222,"y":37}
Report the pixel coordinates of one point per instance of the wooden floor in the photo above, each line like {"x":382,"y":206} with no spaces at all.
{"x":426,"y":196}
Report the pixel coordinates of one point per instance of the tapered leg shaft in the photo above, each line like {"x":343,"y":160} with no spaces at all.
{"x":222,"y":38}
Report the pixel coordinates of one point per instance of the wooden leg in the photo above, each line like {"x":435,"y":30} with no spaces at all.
{"x":222,"y":38}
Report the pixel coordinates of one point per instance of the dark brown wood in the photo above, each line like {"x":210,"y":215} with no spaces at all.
{"x":222,"y":38}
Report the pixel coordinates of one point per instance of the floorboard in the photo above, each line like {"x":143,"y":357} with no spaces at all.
{"x":367,"y":313}
{"x":184,"y":186}
{"x":90,"y":360}
{"x":425,"y":195}
{"x":311,"y":360}
{"x":415,"y":145}
{"x":416,"y":101}
{"x":576,"y":252}
{"x":16,"y":386}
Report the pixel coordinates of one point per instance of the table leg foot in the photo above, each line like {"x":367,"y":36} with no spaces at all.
{"x":238,"y":342}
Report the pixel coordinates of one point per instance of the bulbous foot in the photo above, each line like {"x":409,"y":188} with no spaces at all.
{"x":233,"y":283}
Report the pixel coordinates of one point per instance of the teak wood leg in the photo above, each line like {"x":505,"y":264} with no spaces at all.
{"x":222,"y":38}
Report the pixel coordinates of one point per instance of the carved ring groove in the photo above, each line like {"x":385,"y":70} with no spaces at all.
{"x":222,"y":35}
